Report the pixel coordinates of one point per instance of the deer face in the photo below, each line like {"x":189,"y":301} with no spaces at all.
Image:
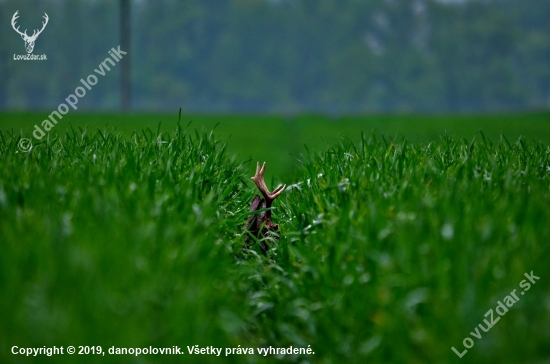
{"x":29,"y":40}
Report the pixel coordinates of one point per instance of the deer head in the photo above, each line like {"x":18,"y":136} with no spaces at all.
{"x":29,"y":41}
{"x":261,"y":226}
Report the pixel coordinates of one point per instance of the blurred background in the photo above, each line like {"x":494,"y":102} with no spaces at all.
{"x":284,"y":56}
{"x":280,"y":74}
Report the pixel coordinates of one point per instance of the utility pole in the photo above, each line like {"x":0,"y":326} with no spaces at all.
{"x":125,"y":45}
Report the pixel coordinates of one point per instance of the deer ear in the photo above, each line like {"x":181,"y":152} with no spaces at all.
{"x":256,"y":201}
{"x":23,"y":36}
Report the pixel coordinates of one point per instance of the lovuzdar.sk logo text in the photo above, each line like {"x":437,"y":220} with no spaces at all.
{"x":29,"y":40}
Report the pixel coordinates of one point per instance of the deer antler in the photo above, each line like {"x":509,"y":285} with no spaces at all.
{"x":34,"y":36}
{"x":260,"y":183}
{"x":13,"y":21}
{"x":260,"y":225}
{"x":24,"y":34}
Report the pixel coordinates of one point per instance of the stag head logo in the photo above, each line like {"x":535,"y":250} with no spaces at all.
{"x":29,"y":40}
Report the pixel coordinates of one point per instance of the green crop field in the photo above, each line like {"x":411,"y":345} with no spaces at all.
{"x":280,"y":140}
{"x":401,"y":238}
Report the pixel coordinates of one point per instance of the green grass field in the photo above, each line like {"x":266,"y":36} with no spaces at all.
{"x":280,"y":140}
{"x":395,"y":244}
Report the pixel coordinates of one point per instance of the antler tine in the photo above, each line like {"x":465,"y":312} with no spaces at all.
{"x":14,"y":20}
{"x":277,"y":191}
{"x":43,"y":25}
{"x":14,"y":17}
{"x":260,"y":183}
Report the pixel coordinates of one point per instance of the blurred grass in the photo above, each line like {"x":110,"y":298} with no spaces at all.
{"x":110,"y":239}
{"x":280,"y":140}
{"x":392,"y":249}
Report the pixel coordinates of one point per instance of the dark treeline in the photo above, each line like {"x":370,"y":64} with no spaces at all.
{"x":286,"y":55}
